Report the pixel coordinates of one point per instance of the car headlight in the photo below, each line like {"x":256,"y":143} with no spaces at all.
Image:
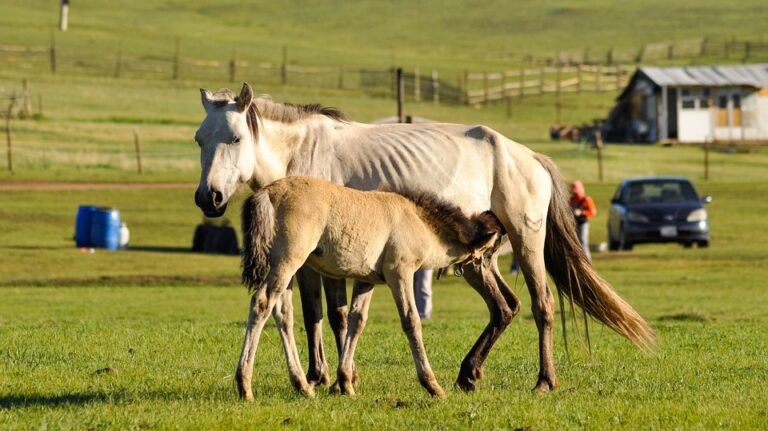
{"x":637,"y":217}
{"x":697,"y":215}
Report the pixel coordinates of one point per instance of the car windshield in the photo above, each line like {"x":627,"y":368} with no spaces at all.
{"x":660,"y":191}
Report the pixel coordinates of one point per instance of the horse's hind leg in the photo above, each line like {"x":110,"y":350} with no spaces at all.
{"x":346,"y":376}
{"x":401,"y":284}
{"x":336,"y":299}
{"x":312,"y":309}
{"x":502,"y":305}
{"x":283,"y":314}
{"x":531,"y":259}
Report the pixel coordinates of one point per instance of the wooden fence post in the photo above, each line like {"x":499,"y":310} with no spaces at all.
{"x":64,"y":15}
{"x":578,"y":78}
{"x":416,"y":85}
{"x":137,"y":145}
{"x":541,"y":80}
{"x":176,"y":59}
{"x":599,"y":147}
{"x":400,"y":94}
{"x":707,"y":146}
{"x":53,"y":54}
{"x":8,"y":115}
{"x":747,"y":49}
{"x":233,"y":67}
{"x":670,"y":51}
{"x":435,"y":88}
{"x":599,"y":69}
{"x":609,"y":56}
{"x":467,"y":86}
{"x":703,"y":49}
{"x":640,"y":54}
{"x":284,"y":67}
{"x":27,"y":106}
{"x":618,"y":77}
{"x":503,"y":84}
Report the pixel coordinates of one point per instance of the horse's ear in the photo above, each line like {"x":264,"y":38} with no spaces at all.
{"x":207,"y":98}
{"x":245,"y":98}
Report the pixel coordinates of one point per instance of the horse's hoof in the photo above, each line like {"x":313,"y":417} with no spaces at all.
{"x":334,"y":389}
{"x":544,"y":386}
{"x":465,"y":385}
{"x":247,"y":397}
{"x":318,"y":378}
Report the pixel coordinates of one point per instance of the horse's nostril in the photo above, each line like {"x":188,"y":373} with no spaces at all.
{"x":217,"y":198}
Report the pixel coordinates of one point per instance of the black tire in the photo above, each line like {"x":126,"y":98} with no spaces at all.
{"x":687,"y":245}
{"x":613,"y":245}
{"x":624,"y":243}
{"x":703,"y":243}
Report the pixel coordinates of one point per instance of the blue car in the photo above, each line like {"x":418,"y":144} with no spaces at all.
{"x":657,"y":209}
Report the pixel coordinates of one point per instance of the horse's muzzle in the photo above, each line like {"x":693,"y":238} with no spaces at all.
{"x":212,"y":204}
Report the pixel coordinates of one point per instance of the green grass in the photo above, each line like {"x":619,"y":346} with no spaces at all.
{"x":174,"y":343}
{"x":170,"y":322}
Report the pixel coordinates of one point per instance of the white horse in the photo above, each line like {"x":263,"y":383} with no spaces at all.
{"x":373,"y":237}
{"x":255,"y":141}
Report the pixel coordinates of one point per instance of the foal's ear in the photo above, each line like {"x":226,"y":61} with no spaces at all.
{"x":207,"y":98}
{"x":245,"y":98}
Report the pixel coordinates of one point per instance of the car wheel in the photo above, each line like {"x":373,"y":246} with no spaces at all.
{"x":613,"y":245}
{"x":687,"y":245}
{"x":703,"y":243}
{"x":624,"y":243}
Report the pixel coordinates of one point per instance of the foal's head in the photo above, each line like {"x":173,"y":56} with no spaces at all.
{"x":226,"y":139}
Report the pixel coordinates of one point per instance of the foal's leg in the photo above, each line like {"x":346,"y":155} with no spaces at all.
{"x":502,"y":305}
{"x":401,"y":284}
{"x":283,"y":314}
{"x":262,"y":302}
{"x":312,"y":309}
{"x":346,"y":375}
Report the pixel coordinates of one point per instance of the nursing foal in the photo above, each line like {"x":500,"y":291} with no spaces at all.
{"x":372,"y":237}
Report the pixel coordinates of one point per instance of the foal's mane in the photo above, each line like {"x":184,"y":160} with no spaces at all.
{"x":451,"y":223}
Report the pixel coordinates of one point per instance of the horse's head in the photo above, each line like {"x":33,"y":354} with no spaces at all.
{"x":226,"y":139}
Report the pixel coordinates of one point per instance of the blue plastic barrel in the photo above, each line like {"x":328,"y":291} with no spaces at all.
{"x":105,"y":228}
{"x":83,"y":225}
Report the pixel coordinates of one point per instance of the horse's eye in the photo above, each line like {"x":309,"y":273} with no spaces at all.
{"x":236,"y":141}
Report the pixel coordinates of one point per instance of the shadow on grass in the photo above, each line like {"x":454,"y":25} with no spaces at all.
{"x":159,"y":249}
{"x":8,"y":402}
{"x":16,"y":401}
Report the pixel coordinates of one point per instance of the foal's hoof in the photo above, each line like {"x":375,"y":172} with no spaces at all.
{"x":437,"y":392}
{"x":345,"y":388}
{"x":307,"y":391}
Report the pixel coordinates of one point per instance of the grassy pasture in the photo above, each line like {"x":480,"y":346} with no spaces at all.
{"x":169,"y":323}
{"x":174,"y":342}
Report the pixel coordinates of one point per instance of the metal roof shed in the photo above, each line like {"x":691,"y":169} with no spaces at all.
{"x":692,"y":104}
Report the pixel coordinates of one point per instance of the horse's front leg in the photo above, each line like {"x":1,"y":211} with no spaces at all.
{"x":312,"y":309}
{"x":283,"y":314}
{"x":401,"y":284}
{"x":502,"y":305}
{"x":346,"y":375}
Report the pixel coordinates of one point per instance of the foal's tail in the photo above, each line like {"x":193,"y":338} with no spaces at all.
{"x":258,"y":235}
{"x":573,"y":273}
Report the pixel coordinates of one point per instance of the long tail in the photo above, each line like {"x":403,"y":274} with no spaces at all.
{"x":573,"y":273}
{"x":258,"y":235}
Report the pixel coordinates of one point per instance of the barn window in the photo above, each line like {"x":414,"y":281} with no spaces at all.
{"x":689,"y":103}
{"x":688,"y":98}
{"x":704,"y":101}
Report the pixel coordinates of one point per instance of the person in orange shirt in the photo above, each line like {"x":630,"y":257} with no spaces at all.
{"x":583,"y":209}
